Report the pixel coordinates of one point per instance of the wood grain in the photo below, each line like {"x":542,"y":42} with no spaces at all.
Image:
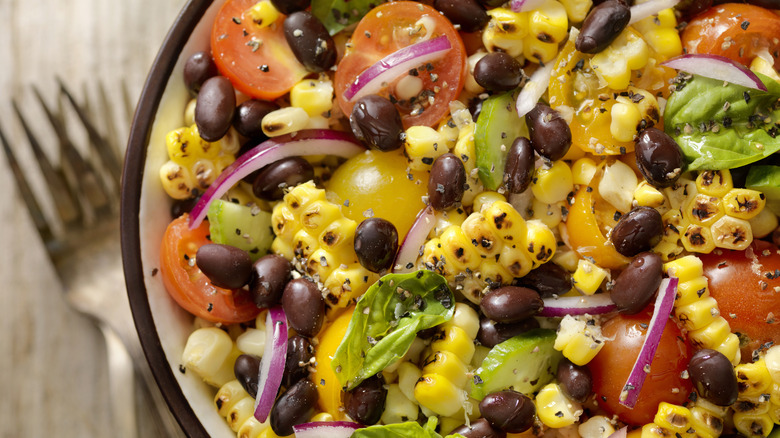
{"x":53,"y":374}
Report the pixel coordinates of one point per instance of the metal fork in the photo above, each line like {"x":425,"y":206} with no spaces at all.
{"x":83,"y":244}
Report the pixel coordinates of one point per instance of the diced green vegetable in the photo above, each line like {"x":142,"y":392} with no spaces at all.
{"x":409,"y":429}
{"x":338,"y":14}
{"x":766,"y":179}
{"x":498,"y":125}
{"x":240,"y":226}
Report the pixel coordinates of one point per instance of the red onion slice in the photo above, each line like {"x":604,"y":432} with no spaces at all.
{"x":326,"y":429}
{"x":272,"y":365}
{"x":662,"y":309}
{"x":525,"y":5}
{"x":650,"y":8}
{"x":301,"y":143}
{"x":410,"y":247}
{"x":396,"y":64}
{"x":586,"y":304}
{"x":534,"y":88}
{"x":620,"y":433}
{"x":716,"y":67}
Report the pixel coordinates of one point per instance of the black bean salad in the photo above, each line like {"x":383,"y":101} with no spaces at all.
{"x":479,"y":218}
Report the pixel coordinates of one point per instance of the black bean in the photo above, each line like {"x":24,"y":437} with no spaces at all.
{"x":199,"y":67}
{"x":602,"y":25}
{"x":576,"y":381}
{"x":690,"y":8}
{"x":658,"y":157}
{"x":293,"y":407}
{"x":519,"y":168}
{"x":713,"y":376}
{"x":272,"y":180}
{"x":249,"y":116}
{"x":492,"y":333}
{"x":304,"y":306}
{"x":509,"y":411}
{"x":475,"y":106}
{"x":446,"y":182}
{"x":376,"y":122}
{"x":226,"y":266}
{"x":365,"y":402}
{"x":296,"y":365}
{"x":549,"y":133}
{"x":480,"y":428}
{"x":181,"y":206}
{"x":376,"y":242}
{"x":492,"y":3}
{"x":638,"y":230}
{"x":636,"y":286}
{"x":511,"y":304}
{"x":310,"y":41}
{"x":470,"y":15}
{"x":498,"y":71}
{"x":247,"y":372}
{"x":287,"y":7}
{"x":548,"y":279}
{"x":270,"y":274}
{"x":214,"y":108}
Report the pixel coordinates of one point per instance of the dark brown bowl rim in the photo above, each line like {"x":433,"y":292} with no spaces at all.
{"x":133,"y":173}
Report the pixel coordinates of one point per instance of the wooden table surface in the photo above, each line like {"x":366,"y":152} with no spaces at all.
{"x":53,"y":370}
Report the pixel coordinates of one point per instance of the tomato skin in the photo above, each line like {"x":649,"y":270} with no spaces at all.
{"x":740,"y":292}
{"x":241,"y":63}
{"x":190,"y":287}
{"x":612,"y":365}
{"x":719,"y":31}
{"x":384,"y":30}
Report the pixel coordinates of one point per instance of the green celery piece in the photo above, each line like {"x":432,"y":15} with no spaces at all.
{"x":408,"y":429}
{"x":498,"y":125}
{"x":766,"y":179}
{"x":240,"y":226}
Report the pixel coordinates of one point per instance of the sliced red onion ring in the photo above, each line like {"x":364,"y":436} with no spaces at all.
{"x":650,"y":8}
{"x":396,"y":64}
{"x":326,"y":429}
{"x":409,"y":249}
{"x":301,"y":143}
{"x":525,"y":5}
{"x":620,"y":433}
{"x":534,"y":88}
{"x":272,"y":365}
{"x":586,"y":304}
{"x":662,"y":309}
{"x":716,"y":67}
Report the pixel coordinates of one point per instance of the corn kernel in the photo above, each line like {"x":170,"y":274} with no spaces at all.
{"x":763,"y":224}
{"x":485,"y":199}
{"x":617,"y":186}
{"x":240,"y":412}
{"x":698,"y":314}
{"x":447,"y":364}
{"x":251,"y":428}
{"x":422,"y":146}
{"x":539,"y":51}
{"x":691,"y":291}
{"x":398,"y":408}
{"x":714,"y":182}
{"x":753,"y":379}
{"x":540,"y":242}
{"x":549,"y":214}
{"x":577,"y":10}
{"x":703,"y":210}
{"x":438,"y":394}
{"x":554,"y":409}
{"x":456,"y":341}
{"x":680,"y":192}
{"x":588,"y":277}
{"x":583,"y":171}
{"x":698,"y":239}
{"x":458,"y":249}
{"x":646,"y":195}
{"x":752,"y":425}
{"x":209,"y":353}
{"x":577,"y":340}
{"x":505,"y":31}
{"x":263,"y":14}
{"x":711,"y":335}
{"x":731,"y":233}
{"x":685,"y":268}
{"x":284,"y":121}
{"x":177,"y":181}
{"x":228,"y":395}
{"x":625,"y":119}
{"x":516,"y":259}
{"x":597,"y":426}
{"x":627,"y":52}
{"x":553,"y":184}
{"x":659,"y":31}
{"x":743,"y":203}
{"x":313,"y":96}
{"x":466,"y":318}
{"x":506,"y":222}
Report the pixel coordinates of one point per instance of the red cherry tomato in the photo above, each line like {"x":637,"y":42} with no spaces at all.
{"x":612,"y":365}
{"x":743,"y":283}
{"x":190,"y":287}
{"x":736,"y":31}
{"x":257,"y":60}
{"x":389,"y":28}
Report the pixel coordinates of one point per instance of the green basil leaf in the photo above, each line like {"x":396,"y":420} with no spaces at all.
{"x":766,"y":179}
{"x":386,"y":320}
{"x":723,"y":126}
{"x":338,"y":14}
{"x":409,"y":429}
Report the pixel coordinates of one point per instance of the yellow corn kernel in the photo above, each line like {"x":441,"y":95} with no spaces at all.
{"x":772,"y":362}
{"x":284,"y":121}
{"x":685,"y":268}
{"x":753,"y":379}
{"x":673,"y":417}
{"x":583,"y":171}
{"x":456,"y":341}
{"x":317,"y":215}
{"x":730,"y":348}
{"x":313,"y":96}
{"x":481,"y":235}
{"x":495,"y":273}
{"x":566,"y":258}
{"x":422,"y":146}
{"x":269,"y":433}
{"x":680,"y":192}
{"x":698,"y":314}
{"x":707,"y":418}
{"x":240,"y":412}
{"x":263,"y":14}
{"x":189,"y":112}
{"x":516,"y":260}
{"x":752,"y":425}
{"x":627,"y":52}
{"x":588,"y":277}
{"x":447,"y":364}
{"x":304,"y":244}
{"x":466,"y":318}
{"x":763,"y":224}
{"x":714,"y":182}
{"x":577,"y":340}
{"x":505,"y":31}
{"x":577,"y":10}
{"x":691,"y":290}
{"x":338,"y":238}
{"x":346,"y":284}
{"x":209,"y":353}
{"x":625,"y":119}
{"x":471,"y":84}
{"x":711,"y":335}
{"x":732,"y":233}
{"x":321,"y":264}
{"x":485,"y":198}
{"x":617,"y":186}
{"x":539,"y":51}
{"x":204,"y":173}
{"x":251,"y":428}
{"x":448,"y":132}
{"x":646,"y":195}
{"x":506,"y":222}
{"x":438,"y":394}
{"x":652,"y":430}
{"x":703,"y":210}
{"x":540,"y":242}
{"x":458,"y":249}
{"x":698,"y":239}
{"x":548,"y":23}
{"x":555,"y":409}
{"x":408,"y":375}
{"x":444,"y":219}
{"x":177,"y":181}
{"x":743,"y":203}
{"x":549,"y":214}
{"x":660,"y":32}
{"x":228,"y":395}
{"x":301,"y":196}
{"x":398,"y":408}
{"x":597,"y":426}
{"x":552,"y":184}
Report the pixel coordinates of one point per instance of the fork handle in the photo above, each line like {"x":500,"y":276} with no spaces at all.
{"x":121,"y":379}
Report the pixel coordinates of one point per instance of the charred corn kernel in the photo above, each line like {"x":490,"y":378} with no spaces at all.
{"x":578,"y":339}
{"x":505,"y":31}
{"x":466,"y":318}
{"x":552,"y":184}
{"x":661,"y":34}
{"x":703,"y":210}
{"x":540,"y":242}
{"x":753,"y":379}
{"x":714,"y":182}
{"x":710,"y":335}
{"x":539,"y":51}
{"x":763,"y":224}
{"x":252,"y":341}
{"x":646,"y":195}
{"x":338,"y":237}
{"x":652,"y":430}
{"x":449,"y":132}
{"x":284,"y":121}
{"x":707,"y":418}
{"x":577,"y":10}
{"x":447,"y":364}
{"x":240,"y":412}
{"x":228,"y":395}
{"x":588,"y":277}
{"x":549,"y":214}
{"x":673,"y":417}
{"x":466,"y":151}
{"x":698,"y":314}
{"x":752,"y":425}
{"x":304,"y":244}
{"x":209,"y":353}
{"x":743,"y":203}
{"x":517,"y":260}
{"x":346,"y":284}
{"x":698,"y":239}
{"x":408,"y":375}
{"x":732,"y":233}
{"x":251,"y":428}
{"x":321,"y":264}
{"x":685,"y":268}
{"x":730,"y":348}
{"x":583,"y":171}
{"x":627,"y":52}
{"x":597,"y":426}
{"x":485,"y":199}
{"x":444,"y":219}
{"x":438,"y":394}
{"x":317,"y":215}
{"x":398,"y":408}
{"x":680,"y":192}
{"x":692,"y":290}
{"x":204,"y":173}
{"x":506,"y":221}
{"x":315,"y":96}
{"x":458,"y":249}
{"x":481,"y":235}
{"x":617,"y":186}
{"x":625,"y":119}
{"x":555,"y":409}
{"x":548,"y":23}
{"x":177,"y":181}
{"x":456,"y":341}
{"x":422,"y":146}
{"x":263,"y":13}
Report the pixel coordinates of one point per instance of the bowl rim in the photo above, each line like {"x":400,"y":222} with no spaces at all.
{"x":132,"y":175}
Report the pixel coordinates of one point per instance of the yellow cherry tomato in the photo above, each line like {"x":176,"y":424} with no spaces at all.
{"x":585,"y":234}
{"x":328,"y":386}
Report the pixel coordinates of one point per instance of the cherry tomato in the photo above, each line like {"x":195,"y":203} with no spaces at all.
{"x":389,"y":28}
{"x":736,"y":31}
{"x":612,"y":365}
{"x":190,"y":287}
{"x":257,"y":60}
{"x":743,"y":283}
{"x":328,"y":386}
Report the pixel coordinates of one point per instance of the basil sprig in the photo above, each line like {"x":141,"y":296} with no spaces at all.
{"x":338,"y":14}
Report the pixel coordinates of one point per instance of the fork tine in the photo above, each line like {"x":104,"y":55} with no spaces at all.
{"x":129,"y":104}
{"x":64,"y":201}
{"x":112,"y":131}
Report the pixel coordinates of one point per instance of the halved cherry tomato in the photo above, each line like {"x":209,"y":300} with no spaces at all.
{"x":736,"y":31}
{"x":328,"y":386}
{"x":612,"y":365}
{"x":391,"y":27}
{"x":585,"y":234}
{"x":746,"y":285}
{"x":190,"y":287}
{"x":257,"y":60}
